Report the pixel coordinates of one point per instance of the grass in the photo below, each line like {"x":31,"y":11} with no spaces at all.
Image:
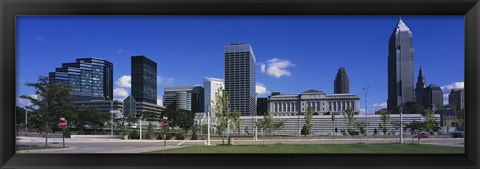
{"x":30,"y":147}
{"x":319,"y":148}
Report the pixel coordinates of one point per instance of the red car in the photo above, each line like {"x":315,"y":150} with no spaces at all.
{"x":423,"y":135}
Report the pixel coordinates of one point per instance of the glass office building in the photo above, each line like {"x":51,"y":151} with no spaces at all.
{"x":144,"y":79}
{"x":240,"y":78}
{"x":89,"y":78}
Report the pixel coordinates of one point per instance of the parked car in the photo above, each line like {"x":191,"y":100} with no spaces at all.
{"x":457,"y":135}
{"x":422,"y":135}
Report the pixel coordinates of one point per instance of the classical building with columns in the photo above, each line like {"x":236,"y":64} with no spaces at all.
{"x":297,"y":104}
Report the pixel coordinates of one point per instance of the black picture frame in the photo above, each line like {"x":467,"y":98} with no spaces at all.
{"x":9,"y":9}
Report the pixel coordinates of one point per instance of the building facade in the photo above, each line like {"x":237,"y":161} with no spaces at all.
{"x":211,"y":86}
{"x":104,"y":106}
{"x":90,"y":78}
{"x":144,"y":79}
{"x":262,"y":106}
{"x":456,"y":99}
{"x":131,"y":107}
{"x":297,"y":104}
{"x":420,"y":87}
{"x":186,"y":98}
{"x":400,"y":66}
{"x":240,"y":78}
{"x":341,"y":83}
{"x":434,"y":96}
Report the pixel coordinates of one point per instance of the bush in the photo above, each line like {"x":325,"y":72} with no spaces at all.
{"x":134,"y":135}
{"x":194,"y":136}
{"x":67,"y":133}
{"x":180,"y":136}
{"x":169,"y":136}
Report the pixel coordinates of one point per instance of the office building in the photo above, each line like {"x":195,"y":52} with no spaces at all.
{"x":456,"y":99}
{"x":144,"y":79}
{"x":104,"y":106}
{"x":185,"y":98}
{"x":420,"y":87}
{"x":90,"y":78}
{"x":211,"y":85}
{"x":434,"y":96}
{"x":297,"y":104}
{"x":262,"y":106}
{"x":341,"y":83}
{"x":240,"y":78}
{"x":400,"y":66}
{"x":131,"y":107}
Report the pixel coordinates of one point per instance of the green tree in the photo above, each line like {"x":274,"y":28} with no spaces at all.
{"x":360,"y":126}
{"x":308,"y":119}
{"x":52,"y":101}
{"x":305,"y":131}
{"x":385,"y":117}
{"x":235,"y":120}
{"x":92,"y":117}
{"x":375,"y":131}
{"x":348,"y":115}
{"x":150,"y":132}
{"x":185,"y":119}
{"x":460,"y":119}
{"x":415,"y":126}
{"x":429,"y":124}
{"x":221,"y":110}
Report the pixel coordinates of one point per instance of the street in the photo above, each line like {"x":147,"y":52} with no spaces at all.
{"x":85,"y":145}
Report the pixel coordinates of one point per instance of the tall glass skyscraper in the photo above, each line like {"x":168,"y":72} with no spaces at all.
{"x":144,"y":79}
{"x":400,"y":66}
{"x":240,"y":78}
{"x":90,"y":78}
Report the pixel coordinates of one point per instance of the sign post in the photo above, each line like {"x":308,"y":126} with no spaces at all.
{"x":63,"y":124}
{"x":165,"y":127}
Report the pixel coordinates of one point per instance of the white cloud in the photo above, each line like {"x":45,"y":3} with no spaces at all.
{"x":277,"y":67}
{"x":39,"y":38}
{"x":380,"y":105}
{"x":120,"y":93}
{"x":455,"y":85}
{"x":261,"y":89}
{"x":164,"y":80}
{"x":125,"y":81}
{"x":120,"y":50}
{"x":25,"y":102}
{"x":445,"y":99}
{"x":262,"y":68}
{"x":362,"y":111}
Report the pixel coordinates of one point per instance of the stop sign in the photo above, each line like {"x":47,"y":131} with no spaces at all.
{"x":62,"y":123}
{"x":165,"y":123}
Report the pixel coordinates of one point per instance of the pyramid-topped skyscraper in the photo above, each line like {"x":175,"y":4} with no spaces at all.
{"x":400,"y":66}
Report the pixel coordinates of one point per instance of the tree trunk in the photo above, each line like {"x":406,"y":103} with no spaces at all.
{"x":46,"y":134}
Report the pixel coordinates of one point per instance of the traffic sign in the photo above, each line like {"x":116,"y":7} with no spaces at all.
{"x":62,"y":123}
{"x":165,"y":123}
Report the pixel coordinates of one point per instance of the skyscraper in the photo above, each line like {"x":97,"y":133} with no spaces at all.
{"x":240,"y":78}
{"x":456,"y":99}
{"x":400,"y":66}
{"x":90,"y":78}
{"x":211,"y":86}
{"x":420,"y":87}
{"x":434,"y":96}
{"x":341,"y":83}
{"x":178,"y":97}
{"x":198,"y":102}
{"x":144,"y":79}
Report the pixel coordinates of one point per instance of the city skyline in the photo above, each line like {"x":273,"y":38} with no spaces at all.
{"x":283,"y":63}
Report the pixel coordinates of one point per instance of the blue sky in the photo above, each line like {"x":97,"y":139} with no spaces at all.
{"x":297,"y":52}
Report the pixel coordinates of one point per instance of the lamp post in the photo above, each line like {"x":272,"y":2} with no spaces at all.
{"x":208,"y":125}
{"x":111,"y":114}
{"x":366,"y":110}
{"x":26,"y":122}
{"x":401,"y":124}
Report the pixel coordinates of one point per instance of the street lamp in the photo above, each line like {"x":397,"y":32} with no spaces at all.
{"x":208,"y":125}
{"x":111,"y":114}
{"x":401,"y":123}
{"x":26,"y":122}
{"x":366,"y":110}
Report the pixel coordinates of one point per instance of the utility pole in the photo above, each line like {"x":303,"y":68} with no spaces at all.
{"x":111,"y":113}
{"x":26,"y":122}
{"x":208,"y":125}
{"x":366,"y":110}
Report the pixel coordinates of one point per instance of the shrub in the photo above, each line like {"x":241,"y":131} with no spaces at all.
{"x":194,"y":136}
{"x":134,"y":135}
{"x":180,"y":136}
{"x":67,"y":133}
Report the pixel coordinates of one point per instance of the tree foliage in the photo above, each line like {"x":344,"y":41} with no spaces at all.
{"x":460,"y":119}
{"x":308,"y":119}
{"x":50,"y":103}
{"x":221,"y":110}
{"x":429,"y":124}
{"x":91,"y":117}
{"x":385,"y":117}
{"x":235,"y":120}
{"x":348,"y":115}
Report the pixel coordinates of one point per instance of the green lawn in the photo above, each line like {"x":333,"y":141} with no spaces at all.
{"x":22,"y":147}
{"x":319,"y":148}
